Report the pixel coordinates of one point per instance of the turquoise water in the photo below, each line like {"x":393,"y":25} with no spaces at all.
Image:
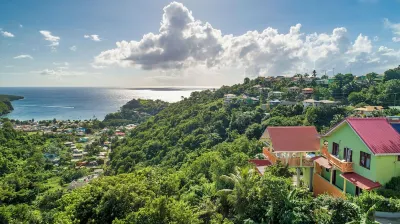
{"x":80,"y":103}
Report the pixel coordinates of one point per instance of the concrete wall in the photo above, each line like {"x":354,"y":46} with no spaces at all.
{"x":388,"y":167}
{"x":322,"y":186}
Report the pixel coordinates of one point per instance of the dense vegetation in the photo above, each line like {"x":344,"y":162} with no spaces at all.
{"x":135,"y":111}
{"x":5,"y":103}
{"x":189,"y":163}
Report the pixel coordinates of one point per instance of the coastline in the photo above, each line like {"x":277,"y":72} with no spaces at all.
{"x":6,"y":106}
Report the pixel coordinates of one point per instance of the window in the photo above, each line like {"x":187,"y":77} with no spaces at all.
{"x":365,"y":160}
{"x":335,"y":149}
{"x":348,"y":154}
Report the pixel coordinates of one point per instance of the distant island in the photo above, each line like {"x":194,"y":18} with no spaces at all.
{"x":5,"y":103}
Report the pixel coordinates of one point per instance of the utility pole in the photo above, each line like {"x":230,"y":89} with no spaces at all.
{"x":333,"y":71}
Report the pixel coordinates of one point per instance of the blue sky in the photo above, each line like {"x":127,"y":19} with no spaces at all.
{"x":73,"y":43}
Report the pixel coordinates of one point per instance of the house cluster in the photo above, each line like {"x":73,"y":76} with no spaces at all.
{"x":51,"y":128}
{"x":358,"y":154}
{"x":229,"y":98}
{"x":79,"y":156}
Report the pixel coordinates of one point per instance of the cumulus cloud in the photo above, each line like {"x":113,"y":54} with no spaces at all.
{"x":396,"y":39}
{"x":73,"y":48}
{"x":6,"y":34}
{"x":54,"y":40}
{"x":23,"y":56}
{"x":183,"y":42}
{"x":93,"y":37}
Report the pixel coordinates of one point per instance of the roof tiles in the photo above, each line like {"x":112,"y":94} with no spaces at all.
{"x":294,"y":138}
{"x":377,"y":133}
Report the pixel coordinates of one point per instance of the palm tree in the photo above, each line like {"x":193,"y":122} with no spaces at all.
{"x":314,"y":73}
{"x":242,"y":181}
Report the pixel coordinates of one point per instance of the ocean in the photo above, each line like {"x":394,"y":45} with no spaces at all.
{"x":80,"y":103}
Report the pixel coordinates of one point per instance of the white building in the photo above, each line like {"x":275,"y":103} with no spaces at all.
{"x":229,"y":97}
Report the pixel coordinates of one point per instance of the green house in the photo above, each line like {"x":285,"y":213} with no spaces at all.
{"x":358,"y":154}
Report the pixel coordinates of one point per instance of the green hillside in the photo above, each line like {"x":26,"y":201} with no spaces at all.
{"x":5,"y":103}
{"x":187,"y":162}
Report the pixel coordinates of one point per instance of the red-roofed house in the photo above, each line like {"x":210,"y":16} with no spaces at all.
{"x":358,"y":154}
{"x":295,"y":146}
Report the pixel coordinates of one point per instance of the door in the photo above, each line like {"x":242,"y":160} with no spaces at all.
{"x":358,"y":191}
{"x":334,"y":177}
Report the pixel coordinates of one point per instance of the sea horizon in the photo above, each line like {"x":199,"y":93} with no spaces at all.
{"x":83,"y":103}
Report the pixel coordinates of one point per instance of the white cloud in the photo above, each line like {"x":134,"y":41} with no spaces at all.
{"x":376,"y":38}
{"x":23,"y":56}
{"x":61,"y":63}
{"x":396,"y":39}
{"x":62,"y":72}
{"x":183,"y":42}
{"x":54,"y":40}
{"x":6,"y":34}
{"x":395,"y":27}
{"x":93,"y":37}
{"x":362,"y":44}
{"x":73,"y":48}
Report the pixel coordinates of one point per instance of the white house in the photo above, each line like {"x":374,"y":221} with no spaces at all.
{"x":276,"y":94}
{"x":318,"y":103}
{"x":229,"y":97}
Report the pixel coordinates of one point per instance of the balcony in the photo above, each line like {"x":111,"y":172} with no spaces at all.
{"x":292,"y":161}
{"x":343,"y":166}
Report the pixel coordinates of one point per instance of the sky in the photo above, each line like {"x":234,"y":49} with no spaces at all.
{"x":128,"y":43}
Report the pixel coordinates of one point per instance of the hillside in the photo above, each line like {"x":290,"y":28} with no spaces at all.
{"x":187,"y":162}
{"x":135,"y":111}
{"x":5,"y":103}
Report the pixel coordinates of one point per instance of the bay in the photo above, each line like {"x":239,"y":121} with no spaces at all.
{"x":80,"y":103}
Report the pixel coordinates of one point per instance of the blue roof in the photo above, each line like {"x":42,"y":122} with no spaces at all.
{"x":396,"y":127}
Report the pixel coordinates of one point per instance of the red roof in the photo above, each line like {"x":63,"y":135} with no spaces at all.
{"x":260,"y":162}
{"x":360,"y":181}
{"x":377,"y":133}
{"x":294,"y":139}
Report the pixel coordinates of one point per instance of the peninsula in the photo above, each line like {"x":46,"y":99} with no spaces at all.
{"x":5,"y":103}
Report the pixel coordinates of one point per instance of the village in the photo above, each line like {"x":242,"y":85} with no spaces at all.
{"x":88,"y":148}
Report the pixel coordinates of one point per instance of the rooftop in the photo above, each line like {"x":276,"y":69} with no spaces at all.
{"x":294,"y":138}
{"x":377,"y":133}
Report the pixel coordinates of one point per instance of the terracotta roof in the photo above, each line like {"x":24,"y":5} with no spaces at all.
{"x":260,"y":162}
{"x":377,"y":134}
{"x":294,"y":139}
{"x":360,"y":181}
{"x":323,"y":162}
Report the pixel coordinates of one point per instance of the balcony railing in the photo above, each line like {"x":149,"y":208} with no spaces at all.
{"x":343,"y":166}
{"x":292,"y":161}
